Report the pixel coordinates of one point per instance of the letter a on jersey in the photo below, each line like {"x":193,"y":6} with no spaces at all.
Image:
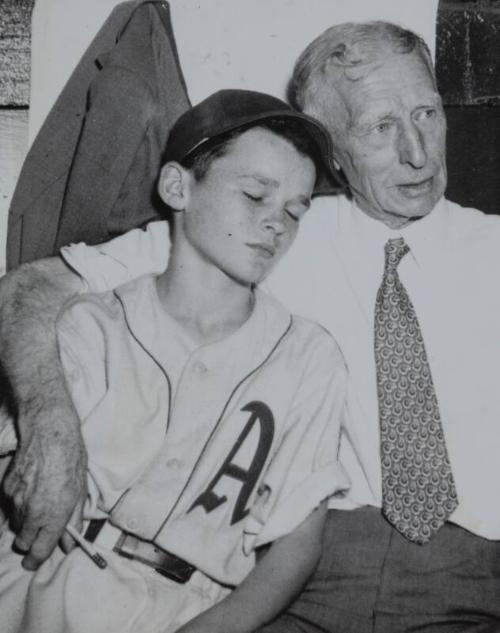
{"x":209,"y":499}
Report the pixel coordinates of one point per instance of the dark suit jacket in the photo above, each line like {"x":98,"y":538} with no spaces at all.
{"x":91,"y":171}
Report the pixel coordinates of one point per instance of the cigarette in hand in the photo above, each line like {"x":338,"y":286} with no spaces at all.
{"x":87,"y":547}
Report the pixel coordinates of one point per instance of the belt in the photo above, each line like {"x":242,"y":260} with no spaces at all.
{"x":103,"y":533}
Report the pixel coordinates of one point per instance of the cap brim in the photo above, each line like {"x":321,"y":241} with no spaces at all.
{"x":328,"y":181}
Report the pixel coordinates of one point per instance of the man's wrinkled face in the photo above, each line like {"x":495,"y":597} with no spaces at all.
{"x":391,"y":139}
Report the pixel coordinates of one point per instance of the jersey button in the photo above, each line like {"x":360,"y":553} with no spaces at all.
{"x":199,"y":367}
{"x":173,"y":463}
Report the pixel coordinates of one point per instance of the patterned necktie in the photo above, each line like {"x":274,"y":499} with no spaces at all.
{"x":418,"y":491}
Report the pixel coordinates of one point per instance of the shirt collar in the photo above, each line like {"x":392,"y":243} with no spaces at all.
{"x":428,"y":236}
{"x":424,"y":237}
{"x":256,"y":338}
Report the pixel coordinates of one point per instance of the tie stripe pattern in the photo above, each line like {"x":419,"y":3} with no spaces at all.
{"x":418,"y":490}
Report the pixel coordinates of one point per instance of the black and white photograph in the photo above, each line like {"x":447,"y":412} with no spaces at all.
{"x":249,"y":316}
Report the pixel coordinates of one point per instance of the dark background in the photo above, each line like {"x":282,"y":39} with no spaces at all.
{"x":468,"y":72}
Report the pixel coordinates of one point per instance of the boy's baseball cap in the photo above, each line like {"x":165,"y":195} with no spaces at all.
{"x":228,"y":110}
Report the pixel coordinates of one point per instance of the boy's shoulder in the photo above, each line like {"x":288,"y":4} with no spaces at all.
{"x":304,"y":336}
{"x":317,"y":345}
{"x":104,"y":307}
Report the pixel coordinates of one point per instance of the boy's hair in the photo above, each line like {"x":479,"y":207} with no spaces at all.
{"x":199,"y":162}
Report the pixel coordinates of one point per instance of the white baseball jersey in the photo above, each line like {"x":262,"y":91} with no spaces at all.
{"x":208,"y":451}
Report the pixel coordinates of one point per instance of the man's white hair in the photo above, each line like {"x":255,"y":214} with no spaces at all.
{"x":347,"y":52}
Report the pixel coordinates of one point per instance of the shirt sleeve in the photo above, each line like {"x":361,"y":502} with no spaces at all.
{"x":305,"y":469}
{"x":129,"y":256}
{"x":81,"y":352}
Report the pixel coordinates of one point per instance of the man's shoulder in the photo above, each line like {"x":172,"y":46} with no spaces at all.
{"x":129,"y":256}
{"x":473,"y":236}
{"x":466,"y":219}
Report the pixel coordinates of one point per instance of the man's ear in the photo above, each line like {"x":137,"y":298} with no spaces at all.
{"x":173,"y":185}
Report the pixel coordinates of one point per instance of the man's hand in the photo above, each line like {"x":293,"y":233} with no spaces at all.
{"x":46,"y":484}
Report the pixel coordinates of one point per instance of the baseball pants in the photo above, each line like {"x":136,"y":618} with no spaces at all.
{"x":70,"y":594}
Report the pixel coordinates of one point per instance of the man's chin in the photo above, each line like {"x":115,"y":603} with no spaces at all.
{"x":414,"y":207}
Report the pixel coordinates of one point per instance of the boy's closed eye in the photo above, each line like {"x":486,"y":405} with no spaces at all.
{"x":297,"y":210}
{"x":294,"y":215}
{"x":294,"y":211}
{"x":255,"y":197}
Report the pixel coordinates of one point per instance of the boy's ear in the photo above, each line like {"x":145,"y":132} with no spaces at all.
{"x":173,"y":185}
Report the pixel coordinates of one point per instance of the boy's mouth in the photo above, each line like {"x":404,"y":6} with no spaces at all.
{"x":263,"y":248}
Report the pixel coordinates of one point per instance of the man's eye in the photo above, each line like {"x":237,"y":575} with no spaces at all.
{"x":428,"y":113}
{"x":252,"y":196}
{"x":383,"y":127}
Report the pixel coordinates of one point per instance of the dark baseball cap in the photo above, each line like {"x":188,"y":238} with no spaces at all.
{"x":229,"y":110}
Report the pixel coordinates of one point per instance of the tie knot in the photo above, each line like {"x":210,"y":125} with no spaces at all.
{"x":395,"y":250}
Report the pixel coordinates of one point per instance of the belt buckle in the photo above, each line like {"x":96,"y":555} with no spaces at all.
{"x":181,"y":574}
{"x":163,"y":562}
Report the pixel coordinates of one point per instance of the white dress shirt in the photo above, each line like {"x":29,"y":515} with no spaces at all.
{"x":332,"y":274}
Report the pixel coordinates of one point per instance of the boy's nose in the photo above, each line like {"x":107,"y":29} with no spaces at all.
{"x":276,"y":225}
{"x":275,"y":221}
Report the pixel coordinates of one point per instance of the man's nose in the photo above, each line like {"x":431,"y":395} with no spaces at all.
{"x":412,"y":146}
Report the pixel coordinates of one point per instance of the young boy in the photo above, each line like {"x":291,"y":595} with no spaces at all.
{"x":211,"y":415}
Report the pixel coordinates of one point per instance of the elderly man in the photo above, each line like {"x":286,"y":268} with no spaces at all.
{"x":402,"y":278}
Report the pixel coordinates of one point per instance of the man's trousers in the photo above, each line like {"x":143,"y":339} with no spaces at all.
{"x":372,"y":580}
